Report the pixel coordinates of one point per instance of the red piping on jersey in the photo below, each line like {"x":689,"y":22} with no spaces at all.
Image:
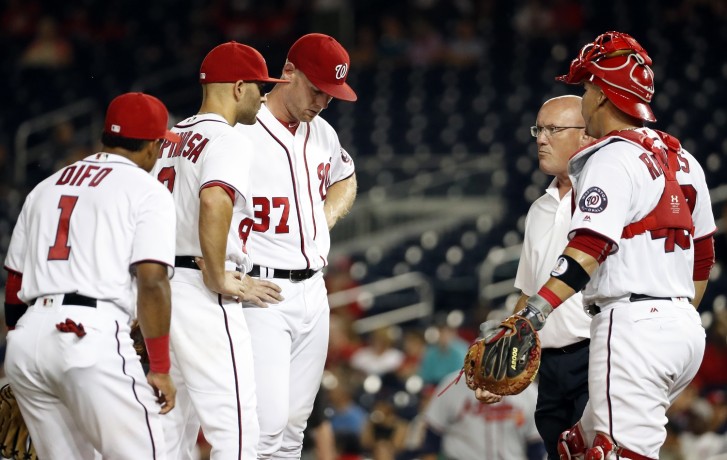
{"x":295,"y":191}
{"x":230,"y":190}
{"x":152,"y":261}
{"x":307,"y":173}
{"x":592,"y":243}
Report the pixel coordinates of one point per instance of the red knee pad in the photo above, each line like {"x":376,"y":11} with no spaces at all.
{"x":571,"y":444}
{"x":602,"y":448}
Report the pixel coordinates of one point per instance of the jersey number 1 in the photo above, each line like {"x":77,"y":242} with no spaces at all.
{"x":60,"y":249}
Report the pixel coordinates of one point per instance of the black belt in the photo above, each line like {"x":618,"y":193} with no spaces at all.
{"x":76,"y":299}
{"x":640,"y":297}
{"x":292,"y":275}
{"x":572,"y":348}
{"x":593,"y":310}
{"x":186,"y":262}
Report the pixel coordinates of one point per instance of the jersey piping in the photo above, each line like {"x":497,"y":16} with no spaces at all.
{"x":295,"y":190}
{"x":307,"y":175}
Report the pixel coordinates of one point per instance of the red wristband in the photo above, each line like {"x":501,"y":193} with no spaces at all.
{"x":158,"y":350}
{"x":550,"y":296}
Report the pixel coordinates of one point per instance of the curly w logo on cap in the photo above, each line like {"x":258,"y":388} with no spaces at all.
{"x":325,"y":63}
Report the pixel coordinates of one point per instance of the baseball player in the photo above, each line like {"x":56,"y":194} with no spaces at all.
{"x":302,"y":181}
{"x":461,"y":427}
{"x":563,"y":375}
{"x":640,"y":248}
{"x":87,"y":238}
{"x":208,"y":175}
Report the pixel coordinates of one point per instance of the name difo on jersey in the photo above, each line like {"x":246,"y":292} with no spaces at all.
{"x":189,"y":147}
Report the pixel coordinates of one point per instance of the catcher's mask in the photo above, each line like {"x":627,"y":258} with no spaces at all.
{"x":619,"y":65}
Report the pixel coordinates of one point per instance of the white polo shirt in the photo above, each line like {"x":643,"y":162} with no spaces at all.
{"x":546,"y":236}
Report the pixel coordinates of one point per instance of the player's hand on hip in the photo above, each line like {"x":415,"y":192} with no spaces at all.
{"x":164,"y":390}
{"x":487,"y":397}
{"x":231,"y":284}
{"x":261,"y":292}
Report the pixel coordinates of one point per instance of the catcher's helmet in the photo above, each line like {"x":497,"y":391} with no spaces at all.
{"x":619,"y":65}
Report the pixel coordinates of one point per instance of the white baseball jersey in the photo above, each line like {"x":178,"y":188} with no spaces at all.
{"x":291,"y":176}
{"x":471,"y":429}
{"x":210,"y":153}
{"x":546,"y":235}
{"x":290,"y":229}
{"x":656,"y":342}
{"x":615,"y":187}
{"x":215,"y":383}
{"x":81,"y":229}
{"x":79,"y":232}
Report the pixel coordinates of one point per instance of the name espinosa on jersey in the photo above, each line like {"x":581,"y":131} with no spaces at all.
{"x":189,"y":147}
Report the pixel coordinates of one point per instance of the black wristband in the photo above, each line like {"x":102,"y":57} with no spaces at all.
{"x":569,"y":271}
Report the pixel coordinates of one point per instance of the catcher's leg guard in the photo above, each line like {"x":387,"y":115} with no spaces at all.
{"x":604,"y":449}
{"x":571,"y":444}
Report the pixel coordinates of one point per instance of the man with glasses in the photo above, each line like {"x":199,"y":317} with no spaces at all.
{"x":563,"y":387}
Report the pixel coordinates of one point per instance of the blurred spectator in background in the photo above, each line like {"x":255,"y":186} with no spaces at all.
{"x":461,"y":427}
{"x":427,"y":46}
{"x":49,"y":50}
{"x":365,"y":53}
{"x":393,"y":41}
{"x":379,"y":356}
{"x":444,"y":354}
{"x":712,"y":373}
{"x":338,"y":278}
{"x":343,"y":341}
{"x":347,"y":417}
{"x":417,"y":427}
{"x":319,"y":442}
{"x":19,"y":18}
{"x":384,"y":432}
{"x":414,"y":346}
{"x":465,"y":48}
{"x":690,"y":432}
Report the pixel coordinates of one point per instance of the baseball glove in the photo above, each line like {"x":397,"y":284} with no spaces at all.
{"x":139,"y":344}
{"x":506,"y":360}
{"x":14,"y":437}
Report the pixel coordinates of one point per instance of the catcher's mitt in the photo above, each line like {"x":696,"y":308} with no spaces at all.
{"x":139,"y":344}
{"x":14,"y":436}
{"x":506,"y":361}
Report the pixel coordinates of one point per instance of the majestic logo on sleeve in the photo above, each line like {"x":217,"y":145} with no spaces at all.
{"x":344,"y":156}
{"x":593,"y":200}
{"x":341,"y":71}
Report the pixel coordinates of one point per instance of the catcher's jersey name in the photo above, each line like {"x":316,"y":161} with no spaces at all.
{"x":189,"y":147}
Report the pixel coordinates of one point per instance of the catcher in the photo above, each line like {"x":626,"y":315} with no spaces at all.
{"x":641,"y":259}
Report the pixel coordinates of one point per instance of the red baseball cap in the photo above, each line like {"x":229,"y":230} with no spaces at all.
{"x":138,"y":116}
{"x":325,"y":63}
{"x":231,"y":62}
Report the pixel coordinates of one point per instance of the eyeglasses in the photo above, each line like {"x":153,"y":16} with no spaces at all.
{"x":550,"y":130}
